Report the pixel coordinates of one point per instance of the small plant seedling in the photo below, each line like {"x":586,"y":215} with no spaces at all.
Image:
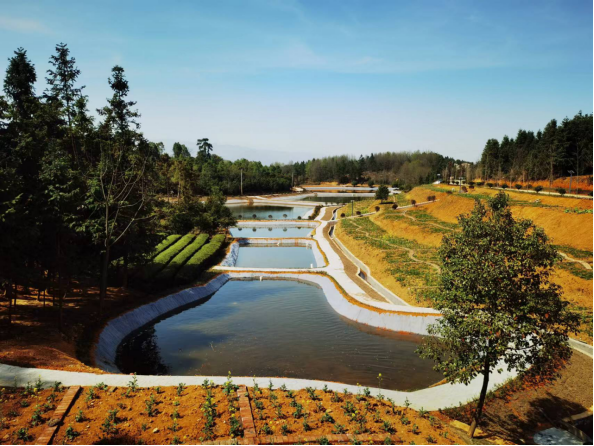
{"x":234,"y":427}
{"x":285,"y":429}
{"x":338,"y":429}
{"x":306,"y":426}
{"x":180,"y":388}
{"x":133,"y":384}
{"x":90,"y":395}
{"x":327,"y":418}
{"x":23,"y":434}
{"x":323,"y":440}
{"x":80,"y":416}
{"x":150,"y":406}
{"x":36,"y":417}
{"x":71,"y":434}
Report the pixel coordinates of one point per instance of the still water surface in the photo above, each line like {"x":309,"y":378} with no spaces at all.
{"x":274,"y":328}
{"x":262,"y":212}
{"x":273,"y":232}
{"x":272,"y":256}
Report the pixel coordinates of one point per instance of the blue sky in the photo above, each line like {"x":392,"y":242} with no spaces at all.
{"x":287,"y":80}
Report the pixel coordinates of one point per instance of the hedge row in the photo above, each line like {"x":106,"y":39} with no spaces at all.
{"x":192,"y":269}
{"x":163,"y":258}
{"x":167,"y":273}
{"x":169,"y":241}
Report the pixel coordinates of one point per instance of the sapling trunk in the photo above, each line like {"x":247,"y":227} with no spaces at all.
{"x":104,"y":271}
{"x":481,"y":402}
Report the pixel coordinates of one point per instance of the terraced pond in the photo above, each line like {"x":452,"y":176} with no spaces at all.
{"x":335,"y":199}
{"x":273,"y":256}
{"x":268,"y":212}
{"x":274,"y":328}
{"x":272,"y":232}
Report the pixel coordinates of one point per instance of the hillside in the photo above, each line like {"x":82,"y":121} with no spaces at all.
{"x":400,"y":246}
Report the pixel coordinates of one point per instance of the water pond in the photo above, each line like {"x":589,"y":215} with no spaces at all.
{"x":273,"y":232}
{"x":273,"y":256}
{"x":263,"y":212}
{"x":274,"y":328}
{"x":335,"y":199}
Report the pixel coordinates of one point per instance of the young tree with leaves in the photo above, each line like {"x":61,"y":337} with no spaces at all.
{"x":382,"y":193}
{"x":120,"y":187}
{"x":498,"y":307}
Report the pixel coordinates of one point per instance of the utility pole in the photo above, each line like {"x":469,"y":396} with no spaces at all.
{"x":241,"y":182}
{"x":570,"y":172}
{"x":352,"y":208}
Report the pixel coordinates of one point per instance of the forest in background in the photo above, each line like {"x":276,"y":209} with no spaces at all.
{"x":544,"y":155}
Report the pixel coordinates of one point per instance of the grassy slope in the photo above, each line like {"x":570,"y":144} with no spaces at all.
{"x":425,"y":226}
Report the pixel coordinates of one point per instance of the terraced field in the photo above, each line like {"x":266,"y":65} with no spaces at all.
{"x":400,"y":245}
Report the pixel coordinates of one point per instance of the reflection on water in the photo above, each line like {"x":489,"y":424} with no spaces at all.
{"x":261,"y":212}
{"x":275,"y":328}
{"x":272,"y":256}
{"x":273,"y":232}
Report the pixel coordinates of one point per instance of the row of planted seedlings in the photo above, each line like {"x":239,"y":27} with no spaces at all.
{"x":190,"y":414}
{"x":323,"y":413}
{"x":152,"y":415}
{"x":25,"y":411}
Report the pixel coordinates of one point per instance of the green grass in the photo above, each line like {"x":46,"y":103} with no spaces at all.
{"x":163,"y":258}
{"x":167,"y":274}
{"x":197,"y":263}
{"x":581,"y":254}
{"x":419,"y":277}
{"x":422,"y":220}
{"x":576,"y":269}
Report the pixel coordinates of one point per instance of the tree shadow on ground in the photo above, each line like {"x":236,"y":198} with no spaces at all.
{"x":540,"y":413}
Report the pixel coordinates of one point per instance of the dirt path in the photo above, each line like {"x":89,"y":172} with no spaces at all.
{"x":572,"y":260}
{"x":405,"y":213}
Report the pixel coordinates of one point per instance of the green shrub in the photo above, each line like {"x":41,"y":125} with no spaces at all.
{"x":518,"y":186}
{"x":163,"y":258}
{"x":561,"y":191}
{"x":166,"y":243}
{"x":167,"y":273}
{"x":538,"y":189}
{"x":193,"y":267}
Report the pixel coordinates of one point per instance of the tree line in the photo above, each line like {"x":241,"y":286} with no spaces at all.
{"x":397,"y":168}
{"x":544,"y":155}
{"x":80,"y":194}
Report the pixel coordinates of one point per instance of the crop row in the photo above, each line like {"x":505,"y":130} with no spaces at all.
{"x":167,"y":273}
{"x":164,"y":257}
{"x":193,"y":267}
{"x":166,"y":243}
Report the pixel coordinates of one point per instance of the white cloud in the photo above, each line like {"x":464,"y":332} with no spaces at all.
{"x":23,"y":25}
